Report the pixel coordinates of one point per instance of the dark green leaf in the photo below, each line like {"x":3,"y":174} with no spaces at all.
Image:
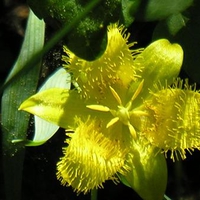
{"x":89,"y":38}
{"x":129,"y":8}
{"x":188,"y":38}
{"x":151,"y":10}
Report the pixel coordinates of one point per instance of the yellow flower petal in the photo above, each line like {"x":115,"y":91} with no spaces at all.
{"x":175,"y":119}
{"x":148,"y":174}
{"x":56,"y":105}
{"x":161,"y":61}
{"x":90,"y":159}
{"x":114,"y":66}
{"x":45,"y":130}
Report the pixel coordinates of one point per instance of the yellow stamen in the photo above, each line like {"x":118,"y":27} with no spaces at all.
{"x":132,"y":131}
{"x":116,"y":96}
{"x":98,"y":108}
{"x":137,"y":92}
{"x":112,"y":121}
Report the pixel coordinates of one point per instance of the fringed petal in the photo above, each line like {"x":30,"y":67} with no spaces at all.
{"x":115,"y":66}
{"x":175,"y":113}
{"x":90,"y":159}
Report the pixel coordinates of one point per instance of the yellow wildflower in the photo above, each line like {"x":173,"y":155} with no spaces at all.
{"x":113,"y":105}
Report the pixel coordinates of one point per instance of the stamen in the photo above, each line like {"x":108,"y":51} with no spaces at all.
{"x":116,"y":96}
{"x":112,"y":121}
{"x":98,"y":108}
{"x":132,"y":131}
{"x":137,"y":92}
{"x":138,"y":113}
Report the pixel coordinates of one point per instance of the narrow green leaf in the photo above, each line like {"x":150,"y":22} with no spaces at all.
{"x":15,"y":123}
{"x":53,"y":41}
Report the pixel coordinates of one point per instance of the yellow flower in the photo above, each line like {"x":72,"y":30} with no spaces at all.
{"x":110,"y":110}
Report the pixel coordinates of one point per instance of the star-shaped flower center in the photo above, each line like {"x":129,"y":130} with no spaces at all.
{"x":122,"y":113}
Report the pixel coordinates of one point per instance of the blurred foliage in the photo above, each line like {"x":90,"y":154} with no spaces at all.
{"x":88,"y":40}
{"x":177,"y":21}
{"x":83,"y":38}
{"x":151,"y":10}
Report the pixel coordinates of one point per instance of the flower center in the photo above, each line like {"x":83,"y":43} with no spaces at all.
{"x":122,"y":113}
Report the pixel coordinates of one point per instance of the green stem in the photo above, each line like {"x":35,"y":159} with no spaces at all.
{"x":94,"y":194}
{"x":166,"y":197}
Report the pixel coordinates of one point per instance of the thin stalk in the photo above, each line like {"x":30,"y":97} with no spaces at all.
{"x":94,"y":194}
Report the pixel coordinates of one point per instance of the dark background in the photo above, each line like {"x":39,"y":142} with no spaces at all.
{"x":39,"y":178}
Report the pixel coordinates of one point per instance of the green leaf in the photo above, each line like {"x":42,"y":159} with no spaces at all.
{"x":129,"y":7}
{"x":171,"y":26}
{"x":43,"y":129}
{"x":88,"y":39}
{"x":188,"y":38}
{"x":175,"y":22}
{"x":14,"y":123}
{"x":49,"y":44}
{"x":152,"y":10}
{"x":148,"y":174}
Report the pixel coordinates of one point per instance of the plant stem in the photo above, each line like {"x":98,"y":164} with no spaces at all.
{"x":94,"y":194}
